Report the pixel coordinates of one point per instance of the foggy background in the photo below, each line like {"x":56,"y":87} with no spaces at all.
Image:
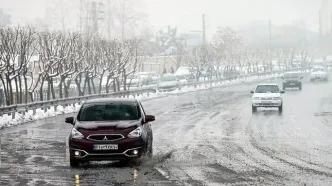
{"x":155,"y":14}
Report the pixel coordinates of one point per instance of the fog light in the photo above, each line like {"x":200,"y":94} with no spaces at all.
{"x":77,"y":153}
{"x":135,"y":152}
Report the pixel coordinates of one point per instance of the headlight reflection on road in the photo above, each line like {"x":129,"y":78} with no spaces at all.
{"x":135,"y":175}
{"x":77,"y":180}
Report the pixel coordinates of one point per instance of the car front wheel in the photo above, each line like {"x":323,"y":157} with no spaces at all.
{"x":280,"y":108}
{"x":149,"y":149}
{"x":74,"y":163}
{"x":254,"y":109}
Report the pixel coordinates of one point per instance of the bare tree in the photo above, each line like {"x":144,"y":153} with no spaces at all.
{"x":27,"y":48}
{"x":52,"y":49}
{"x":9,"y":51}
{"x":199,"y":61}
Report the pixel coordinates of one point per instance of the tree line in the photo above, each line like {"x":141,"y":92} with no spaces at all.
{"x":65,"y":59}
{"x":38,"y":66}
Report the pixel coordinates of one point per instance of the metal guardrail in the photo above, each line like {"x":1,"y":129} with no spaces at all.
{"x":23,"y":108}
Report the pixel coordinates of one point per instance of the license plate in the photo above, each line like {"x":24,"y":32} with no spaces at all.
{"x":105,"y":147}
{"x":292,"y":84}
{"x":266,"y":102}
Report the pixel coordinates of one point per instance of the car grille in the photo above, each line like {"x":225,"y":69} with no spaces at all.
{"x":266,"y":98}
{"x":267,"y":104}
{"x":105,"y":137}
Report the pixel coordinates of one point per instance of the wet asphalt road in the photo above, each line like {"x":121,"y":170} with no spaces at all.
{"x":201,"y":138}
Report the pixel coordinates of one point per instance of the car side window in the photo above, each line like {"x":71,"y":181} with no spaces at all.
{"x":277,"y":88}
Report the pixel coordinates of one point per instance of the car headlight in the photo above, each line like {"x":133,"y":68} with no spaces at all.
{"x":256,"y":98}
{"x":135,"y":133}
{"x":76,"y":134}
{"x":277,"y":98}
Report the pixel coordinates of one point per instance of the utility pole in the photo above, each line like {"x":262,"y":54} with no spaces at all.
{"x":94,"y":17}
{"x":204,"y":39}
{"x":81,"y":16}
{"x":270,"y":36}
{"x":203,"y":29}
{"x":123,"y":19}
{"x":109,"y":20}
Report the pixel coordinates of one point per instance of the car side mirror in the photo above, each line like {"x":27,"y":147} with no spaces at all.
{"x":252,"y":92}
{"x":70,"y":120}
{"x":149,"y":118}
{"x":282,"y":92}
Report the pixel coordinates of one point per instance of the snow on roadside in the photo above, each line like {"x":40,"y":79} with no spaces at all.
{"x":7,"y":121}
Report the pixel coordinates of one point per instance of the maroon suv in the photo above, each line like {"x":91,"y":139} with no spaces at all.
{"x":110,"y":129}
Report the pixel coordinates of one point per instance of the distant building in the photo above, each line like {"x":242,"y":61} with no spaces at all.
{"x":325,"y":18}
{"x":192,"y":39}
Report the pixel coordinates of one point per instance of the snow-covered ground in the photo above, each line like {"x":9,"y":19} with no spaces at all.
{"x":7,"y":121}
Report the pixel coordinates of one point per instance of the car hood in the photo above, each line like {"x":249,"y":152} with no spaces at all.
{"x":266,"y":95}
{"x":292,"y":79}
{"x":101,"y":125}
{"x":318,"y":73}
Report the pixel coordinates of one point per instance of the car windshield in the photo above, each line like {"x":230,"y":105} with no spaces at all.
{"x":292,"y":75}
{"x":318,"y":70}
{"x":109,"y":112}
{"x":168,"y":78}
{"x":267,"y":89}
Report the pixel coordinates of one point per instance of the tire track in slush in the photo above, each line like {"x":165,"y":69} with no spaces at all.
{"x":271,"y":154}
{"x":227,"y":153}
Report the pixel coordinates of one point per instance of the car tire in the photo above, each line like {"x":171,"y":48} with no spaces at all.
{"x":253,"y":109}
{"x":300,"y":87}
{"x":280,"y":108}
{"x":74,"y":163}
{"x":149,"y":149}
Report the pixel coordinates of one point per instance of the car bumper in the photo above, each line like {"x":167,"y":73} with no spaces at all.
{"x":292,"y":84}
{"x":271,"y":103}
{"x":126,"y":148}
{"x":318,"y":77}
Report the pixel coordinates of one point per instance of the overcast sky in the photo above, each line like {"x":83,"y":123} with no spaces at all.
{"x":186,"y":14}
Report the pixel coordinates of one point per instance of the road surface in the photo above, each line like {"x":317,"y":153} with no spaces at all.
{"x":208,"y":137}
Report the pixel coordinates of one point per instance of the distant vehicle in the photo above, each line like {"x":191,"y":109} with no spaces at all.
{"x":134,"y":80}
{"x":152,"y":77}
{"x":187,"y":72}
{"x":319,"y":61}
{"x":168,"y":82}
{"x":267,"y":95}
{"x":182,"y":79}
{"x":291,"y":80}
{"x":318,"y":73}
{"x":328,"y":60}
{"x":110,"y":129}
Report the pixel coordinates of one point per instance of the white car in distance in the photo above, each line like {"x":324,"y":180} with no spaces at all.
{"x":182,"y":79}
{"x":168,"y":82}
{"x":318,"y":73}
{"x":267,"y":95}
